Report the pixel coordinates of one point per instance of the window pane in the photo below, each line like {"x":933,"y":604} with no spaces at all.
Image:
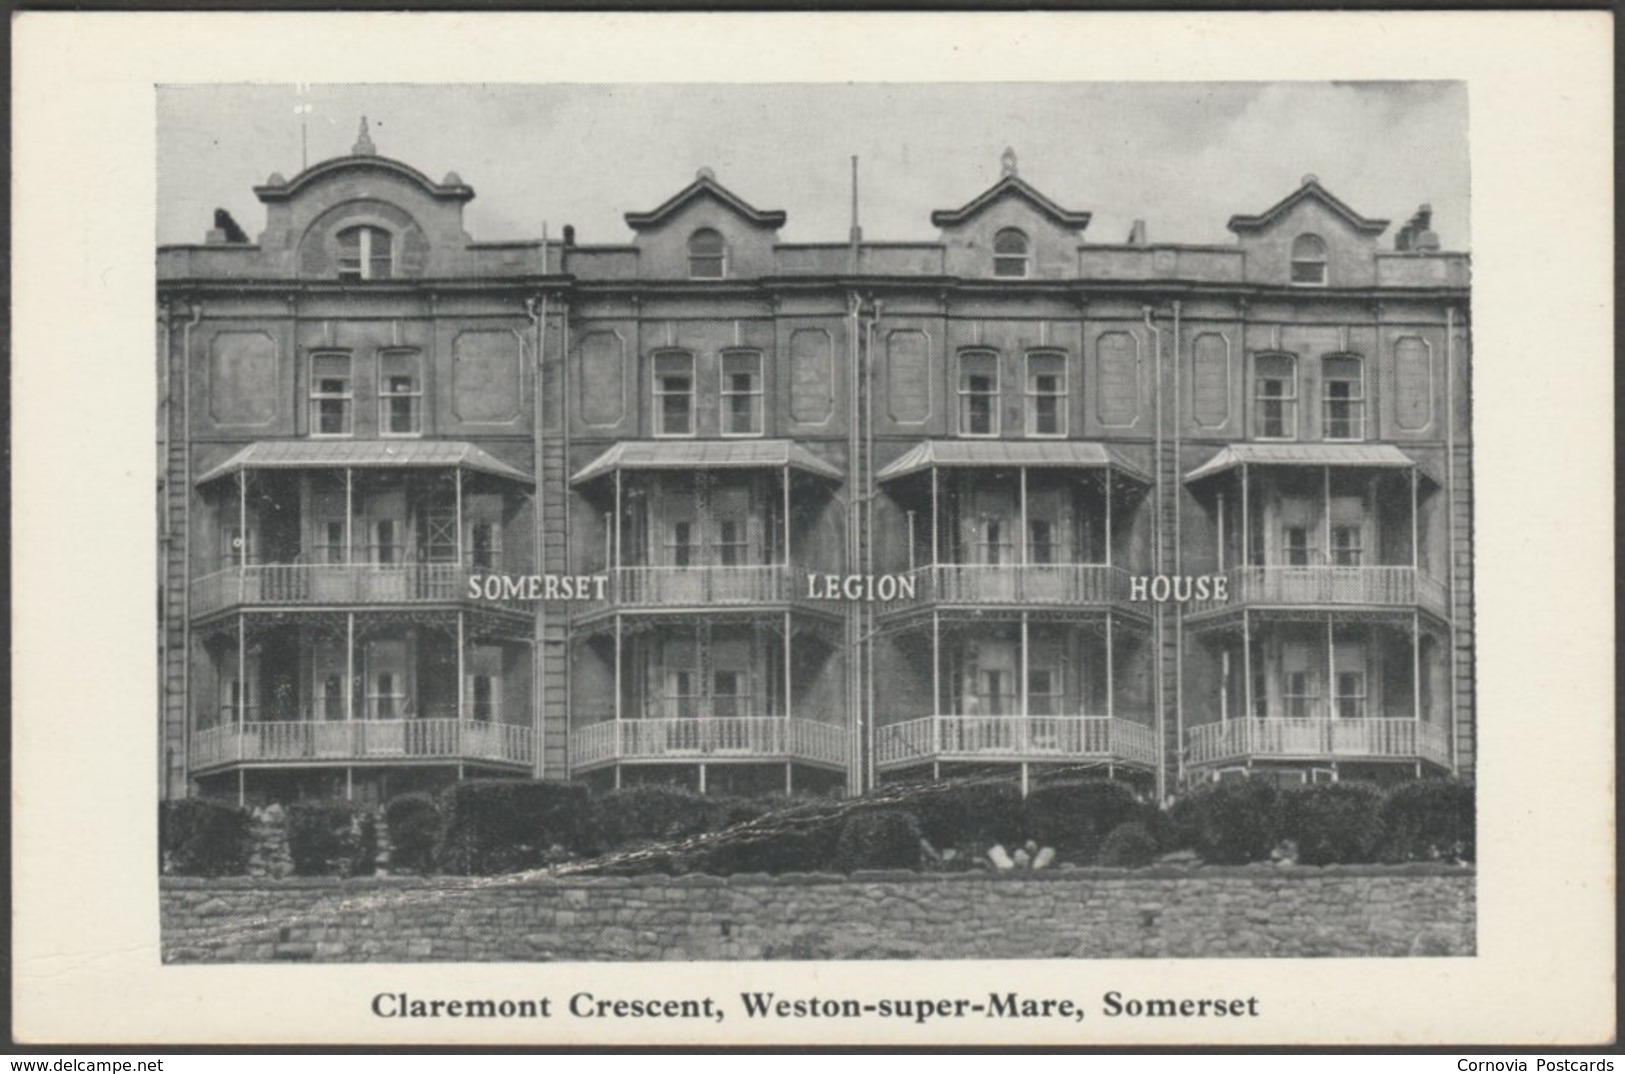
{"x":1010,"y":241}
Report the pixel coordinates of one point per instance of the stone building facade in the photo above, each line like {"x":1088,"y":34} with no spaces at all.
{"x":751,"y":516}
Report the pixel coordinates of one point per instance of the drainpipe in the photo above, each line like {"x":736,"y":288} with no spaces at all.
{"x":186,"y":540}
{"x":1179,"y":565}
{"x":165,"y":410}
{"x":1450,"y":516}
{"x":853,"y":630}
{"x":537,"y":312}
{"x":1156,"y":553}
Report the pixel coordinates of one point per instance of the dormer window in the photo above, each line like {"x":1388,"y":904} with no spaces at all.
{"x":707,"y":256}
{"x":366,"y":253}
{"x":1010,"y":253}
{"x":1309,"y":261}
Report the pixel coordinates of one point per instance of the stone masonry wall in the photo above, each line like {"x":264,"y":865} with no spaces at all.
{"x":1160,"y":912}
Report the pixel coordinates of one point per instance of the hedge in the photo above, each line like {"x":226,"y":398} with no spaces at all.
{"x":1128,"y":846}
{"x":1430,"y":820}
{"x":331,"y":838}
{"x":1332,"y":822}
{"x":1228,"y":823}
{"x":1074,"y":816}
{"x":506,"y":825}
{"x":415,"y":828}
{"x":200,"y":837}
{"x":654,"y":813}
{"x":879,"y":839}
{"x":969,"y":815}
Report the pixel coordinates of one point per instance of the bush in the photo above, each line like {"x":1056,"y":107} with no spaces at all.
{"x":1333,"y":822}
{"x":1128,"y":846}
{"x":970,"y":815}
{"x":1075,"y":815}
{"x":505,"y":825}
{"x":798,"y":840}
{"x":415,"y":827}
{"x":1227,"y":823}
{"x":331,"y":839}
{"x":879,"y":839}
{"x":199,"y":837}
{"x":650,"y":814}
{"x":1429,"y":820}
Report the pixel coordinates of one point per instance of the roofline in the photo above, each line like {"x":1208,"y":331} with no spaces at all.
{"x":1067,"y":218}
{"x":1242,"y":222}
{"x":771,"y":218}
{"x":270,"y":192}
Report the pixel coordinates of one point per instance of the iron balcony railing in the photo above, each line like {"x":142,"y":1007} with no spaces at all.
{"x":303,"y":741}
{"x":1064,"y":584}
{"x":1015,"y":738}
{"x":287,"y":584}
{"x":1317,"y":739}
{"x":1382,"y":587}
{"x":702,"y":738}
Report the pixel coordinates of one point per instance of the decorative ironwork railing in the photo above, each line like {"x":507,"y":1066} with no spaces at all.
{"x":1018,"y":738}
{"x":701,"y":738}
{"x":337,"y":583}
{"x":1384,"y":587}
{"x":1313,"y":739}
{"x":370,"y":740}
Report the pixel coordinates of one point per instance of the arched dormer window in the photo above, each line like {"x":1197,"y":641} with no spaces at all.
{"x":1309,"y":261}
{"x":1011,"y":253}
{"x":366,"y":253}
{"x":707,"y":255}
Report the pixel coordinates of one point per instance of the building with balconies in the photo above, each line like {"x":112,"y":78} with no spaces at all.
{"x":840,"y":513}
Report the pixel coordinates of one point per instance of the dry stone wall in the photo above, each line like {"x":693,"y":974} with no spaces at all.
{"x":1205,"y":912}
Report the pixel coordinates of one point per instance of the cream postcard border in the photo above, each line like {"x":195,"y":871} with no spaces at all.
{"x":85,"y":928}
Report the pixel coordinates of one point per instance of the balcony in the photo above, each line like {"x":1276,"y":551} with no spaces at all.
{"x":1015,"y":738}
{"x":373,"y":741}
{"x":695,"y":587}
{"x":709,"y":738}
{"x":1236,"y":741}
{"x":1038,"y":584}
{"x":1355,"y":587}
{"x":290,"y":584}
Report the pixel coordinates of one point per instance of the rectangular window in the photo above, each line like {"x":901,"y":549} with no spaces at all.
{"x":995,"y":541}
{"x":1343,"y":402}
{"x":482,"y":698}
{"x":386,"y":544}
{"x":400,"y":393}
{"x":1046,"y":395}
{"x":1350,"y":695}
{"x":995,"y":693}
{"x":1275,"y":397}
{"x":742,"y":393}
{"x":1346,"y":546}
{"x":674,"y":394}
{"x":1040,"y":540}
{"x":387,"y":699}
{"x":483,"y":545}
{"x":236,"y":547}
{"x":1300,"y":695}
{"x":978,"y":394}
{"x":1043,"y":692}
{"x":681,"y":700}
{"x":731,"y":545}
{"x":680,"y":548}
{"x":330,"y":395}
{"x":330,"y":541}
{"x":1295,"y":546}
{"x":728,"y":695}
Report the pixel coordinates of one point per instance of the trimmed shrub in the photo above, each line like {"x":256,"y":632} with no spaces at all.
{"x":199,"y":837}
{"x":331,"y":839}
{"x":1429,"y":820}
{"x":1128,"y":846}
{"x":650,"y":814}
{"x":1333,"y":822}
{"x":969,"y":815}
{"x":798,"y":840}
{"x":505,"y":825}
{"x":1074,"y":816}
{"x":1228,"y":823}
{"x":415,"y":827}
{"x":879,"y":839}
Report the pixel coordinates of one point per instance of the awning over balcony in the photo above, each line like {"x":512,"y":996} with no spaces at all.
{"x":1378,"y":456}
{"x":705,"y":455}
{"x":363,"y":454}
{"x":1008,"y":454}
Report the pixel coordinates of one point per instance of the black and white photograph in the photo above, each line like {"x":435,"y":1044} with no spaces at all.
{"x":798,"y":526}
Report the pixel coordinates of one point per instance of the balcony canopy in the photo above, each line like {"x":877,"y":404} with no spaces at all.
{"x":364,"y":455}
{"x":705,"y":455}
{"x":1008,"y":454}
{"x":1369,"y":456}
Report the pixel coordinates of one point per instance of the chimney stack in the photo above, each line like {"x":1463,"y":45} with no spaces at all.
{"x":569,"y":235}
{"x":1136,"y":234}
{"x":1417,"y":236}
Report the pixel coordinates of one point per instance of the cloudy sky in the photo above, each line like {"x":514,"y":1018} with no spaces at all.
{"x":1182,"y":156}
